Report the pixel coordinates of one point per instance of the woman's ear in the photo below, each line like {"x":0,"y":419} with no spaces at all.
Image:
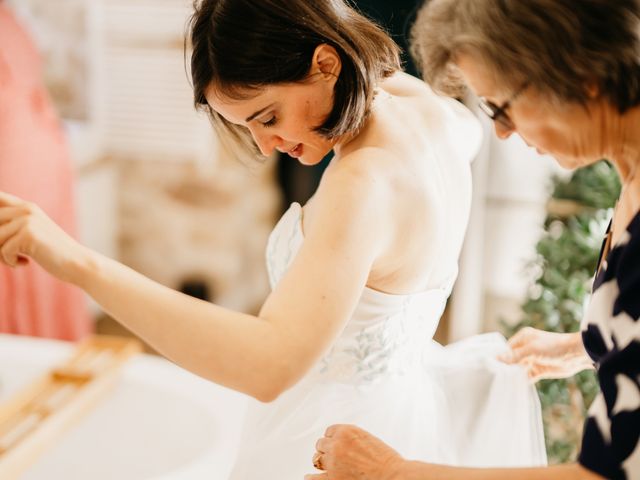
{"x":326,"y":62}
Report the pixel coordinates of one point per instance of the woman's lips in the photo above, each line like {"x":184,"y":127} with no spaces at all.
{"x":296,"y":152}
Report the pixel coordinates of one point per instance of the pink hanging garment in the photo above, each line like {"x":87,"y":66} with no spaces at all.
{"x":35,"y":165}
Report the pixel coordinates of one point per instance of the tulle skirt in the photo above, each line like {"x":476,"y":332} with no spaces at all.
{"x":457,"y":406}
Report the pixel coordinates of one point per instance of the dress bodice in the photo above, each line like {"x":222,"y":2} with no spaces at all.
{"x":454,"y":404}
{"x":386,"y":333}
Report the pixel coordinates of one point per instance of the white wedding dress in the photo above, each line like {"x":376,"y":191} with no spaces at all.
{"x":456,"y":404}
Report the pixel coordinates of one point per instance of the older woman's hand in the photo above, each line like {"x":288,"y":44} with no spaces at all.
{"x":548,"y":354}
{"x":347,"y":452}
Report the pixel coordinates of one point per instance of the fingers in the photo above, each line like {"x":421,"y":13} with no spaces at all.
{"x":515,"y":355}
{"x":521,"y":345}
{"x":521,"y":337}
{"x":506,"y":357}
{"x":8,"y":200}
{"x":12,"y":219}
{"x":534,"y":368}
{"x":536,"y":374}
{"x":9,"y":241}
{"x":546,"y":369}
{"x":317,"y":461}
{"x":10,"y":213}
{"x":522,"y":354}
{"x":324,"y":445}
{"x":531,"y":368}
{"x":332,"y":430}
{"x":9,"y":229}
{"x":10,"y":250}
{"x":343,"y":430}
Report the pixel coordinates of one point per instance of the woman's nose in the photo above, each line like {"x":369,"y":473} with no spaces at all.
{"x":267,"y":143}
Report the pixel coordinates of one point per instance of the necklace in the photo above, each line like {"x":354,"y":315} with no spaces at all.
{"x":608,"y":240}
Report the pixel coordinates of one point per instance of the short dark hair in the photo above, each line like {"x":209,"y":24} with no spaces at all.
{"x":240,"y":46}
{"x":560,"y":47}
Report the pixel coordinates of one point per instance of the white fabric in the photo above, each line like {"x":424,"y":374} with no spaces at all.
{"x":385,"y":373}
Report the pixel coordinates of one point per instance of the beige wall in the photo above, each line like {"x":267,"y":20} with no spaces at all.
{"x":155,"y":189}
{"x":511,"y":188}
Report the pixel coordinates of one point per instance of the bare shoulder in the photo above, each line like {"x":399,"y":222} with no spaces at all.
{"x":460,"y":129}
{"x":445,"y":121}
{"x":357,"y":178}
{"x":353,"y":194}
{"x":402,"y":84}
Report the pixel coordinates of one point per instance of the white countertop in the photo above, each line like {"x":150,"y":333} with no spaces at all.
{"x":159,"y":422}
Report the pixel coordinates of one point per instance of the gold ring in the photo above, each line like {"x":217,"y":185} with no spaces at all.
{"x":317,"y":460}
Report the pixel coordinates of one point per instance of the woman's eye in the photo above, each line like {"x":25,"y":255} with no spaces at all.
{"x":270,"y":123}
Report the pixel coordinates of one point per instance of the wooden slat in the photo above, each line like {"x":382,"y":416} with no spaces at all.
{"x":34,"y":418}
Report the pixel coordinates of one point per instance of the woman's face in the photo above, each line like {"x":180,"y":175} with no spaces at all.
{"x":283,"y":116}
{"x":569,"y":132}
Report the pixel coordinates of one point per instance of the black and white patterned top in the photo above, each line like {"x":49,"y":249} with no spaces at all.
{"x":611,"y":335}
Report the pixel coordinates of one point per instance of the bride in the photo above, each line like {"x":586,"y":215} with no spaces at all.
{"x":360,"y":275}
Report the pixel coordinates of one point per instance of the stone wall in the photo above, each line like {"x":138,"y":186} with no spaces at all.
{"x":155,"y":189}
{"x":179,"y":224}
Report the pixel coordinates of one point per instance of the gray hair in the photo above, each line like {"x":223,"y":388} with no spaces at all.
{"x":559,"y":47}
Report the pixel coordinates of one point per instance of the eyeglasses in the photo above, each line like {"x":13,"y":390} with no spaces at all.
{"x":498,"y":113}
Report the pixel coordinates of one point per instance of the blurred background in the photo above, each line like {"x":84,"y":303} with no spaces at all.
{"x":156,"y":190}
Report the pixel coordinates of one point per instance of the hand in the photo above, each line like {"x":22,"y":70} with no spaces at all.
{"x":347,"y":452}
{"x":547,"y":354}
{"x":26,"y":231}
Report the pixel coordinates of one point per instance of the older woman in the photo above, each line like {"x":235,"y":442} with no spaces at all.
{"x":360,"y":275}
{"x":565,"y":76}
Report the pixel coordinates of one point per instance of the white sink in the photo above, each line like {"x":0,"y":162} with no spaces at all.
{"x":160,"y":422}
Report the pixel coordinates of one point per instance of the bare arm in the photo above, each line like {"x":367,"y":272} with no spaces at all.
{"x":260,"y":355}
{"x":347,"y":452}
{"x":423,"y":471}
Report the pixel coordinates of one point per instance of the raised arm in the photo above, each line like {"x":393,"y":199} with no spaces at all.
{"x":259,"y":355}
